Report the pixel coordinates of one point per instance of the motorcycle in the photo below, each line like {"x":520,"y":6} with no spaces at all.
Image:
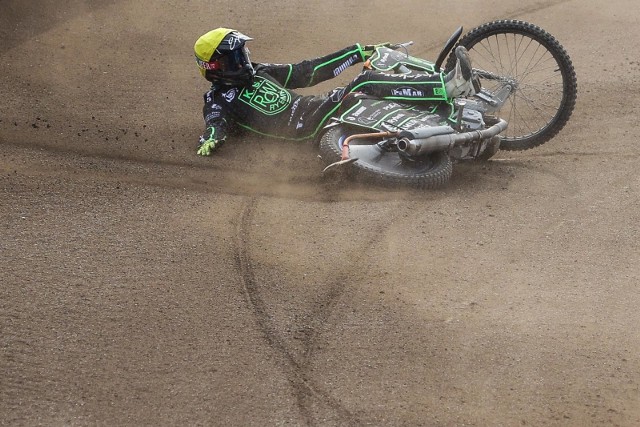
{"x":528,"y":94}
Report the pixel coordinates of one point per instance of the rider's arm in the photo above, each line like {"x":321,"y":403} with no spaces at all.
{"x":216,"y":125}
{"x":313,"y":71}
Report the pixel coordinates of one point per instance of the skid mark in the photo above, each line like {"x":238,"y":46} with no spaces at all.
{"x":197,"y":176}
{"x":537,"y":7}
{"x":516,"y":14}
{"x":29,"y":21}
{"x":20,"y":350}
{"x":306,"y":392}
{"x":298,"y":370}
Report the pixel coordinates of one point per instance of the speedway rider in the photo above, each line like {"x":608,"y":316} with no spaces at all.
{"x":258,"y":97}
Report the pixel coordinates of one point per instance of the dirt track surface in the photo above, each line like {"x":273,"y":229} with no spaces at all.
{"x":141,"y":285}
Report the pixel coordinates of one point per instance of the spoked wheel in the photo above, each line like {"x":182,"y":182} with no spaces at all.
{"x":538,"y":69}
{"x":383,"y":165}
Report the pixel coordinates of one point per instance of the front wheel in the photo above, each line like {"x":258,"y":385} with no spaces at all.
{"x":539,"y":70}
{"x":384,"y":165}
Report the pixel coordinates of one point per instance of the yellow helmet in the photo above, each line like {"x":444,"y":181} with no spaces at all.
{"x":222,"y":57}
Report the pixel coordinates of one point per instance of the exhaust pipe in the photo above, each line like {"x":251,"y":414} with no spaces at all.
{"x":443,"y":138}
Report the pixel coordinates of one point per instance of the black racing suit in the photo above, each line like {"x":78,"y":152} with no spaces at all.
{"x":269,"y":107}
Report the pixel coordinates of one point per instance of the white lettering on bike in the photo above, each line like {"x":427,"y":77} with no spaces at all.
{"x":395,"y":119}
{"x":375,"y":114}
{"x":358,"y":111}
{"x":411,"y":124}
{"x":388,"y":127}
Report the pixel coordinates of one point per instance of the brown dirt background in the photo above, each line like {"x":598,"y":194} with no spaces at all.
{"x":142,"y":285}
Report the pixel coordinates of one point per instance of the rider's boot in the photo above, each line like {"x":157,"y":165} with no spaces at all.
{"x":460,"y":81}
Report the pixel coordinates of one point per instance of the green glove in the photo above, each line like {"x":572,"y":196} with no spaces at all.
{"x":208,"y":144}
{"x":368,"y":50}
{"x":208,"y":147}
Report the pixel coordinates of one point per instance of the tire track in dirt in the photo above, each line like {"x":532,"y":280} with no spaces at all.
{"x":516,"y":14}
{"x":537,"y":7}
{"x":21,"y":21}
{"x":298,"y":372}
{"x":305,"y":391}
{"x":196,"y":176}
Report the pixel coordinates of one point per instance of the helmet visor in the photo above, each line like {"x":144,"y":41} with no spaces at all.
{"x":232,"y":61}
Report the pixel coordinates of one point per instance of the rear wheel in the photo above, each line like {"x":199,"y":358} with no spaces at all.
{"x":385,"y":166}
{"x":539,"y":70}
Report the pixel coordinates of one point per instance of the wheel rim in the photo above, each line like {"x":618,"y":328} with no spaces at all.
{"x":534,"y":73}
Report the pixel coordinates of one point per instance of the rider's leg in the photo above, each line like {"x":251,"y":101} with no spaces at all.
{"x":459,"y":82}
{"x":418,"y":87}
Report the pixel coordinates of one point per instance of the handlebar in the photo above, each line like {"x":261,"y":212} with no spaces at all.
{"x":401,"y":45}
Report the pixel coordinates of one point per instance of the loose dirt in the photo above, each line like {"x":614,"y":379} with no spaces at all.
{"x":142,"y":285}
